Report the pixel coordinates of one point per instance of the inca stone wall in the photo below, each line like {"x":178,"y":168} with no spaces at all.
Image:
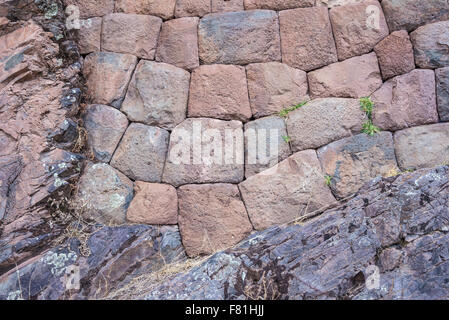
{"x":156,"y":71}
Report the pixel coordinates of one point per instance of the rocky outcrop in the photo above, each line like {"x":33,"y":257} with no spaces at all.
{"x":396,"y":228}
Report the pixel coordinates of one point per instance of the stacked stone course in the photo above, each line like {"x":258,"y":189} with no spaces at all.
{"x":153,"y":68}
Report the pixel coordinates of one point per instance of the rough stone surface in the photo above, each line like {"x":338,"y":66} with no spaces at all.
{"x":274,"y":86}
{"x":141,"y":153}
{"x":153,"y":203}
{"x":212,"y":217}
{"x":406,"y":101}
{"x":335,"y":3}
{"x":89,"y":9}
{"x":287,"y":191}
{"x":227,"y":5}
{"x":422,"y":147}
{"x":192,"y":8}
{"x":353,"y":161}
{"x":322,"y":121}
{"x":265,"y":144}
{"x":431,"y":45}
{"x":410,"y":14}
{"x":164,"y":9}
{"x":107,"y":76}
{"x":90,"y":35}
{"x":239,"y":37}
{"x":105,"y":127}
{"x":277,"y":4}
{"x":395,"y":54}
{"x":104,"y":193}
{"x":353,"y":78}
{"x":117,"y":254}
{"x":201,"y":152}
{"x":219,"y":91}
{"x":442,"y":81}
{"x":178,"y":43}
{"x":307,"y":41}
{"x":353,"y":35}
{"x":135,"y":34}
{"x":328,"y":257}
{"x":157,"y":95}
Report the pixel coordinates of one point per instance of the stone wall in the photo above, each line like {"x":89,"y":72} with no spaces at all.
{"x":156,"y":70}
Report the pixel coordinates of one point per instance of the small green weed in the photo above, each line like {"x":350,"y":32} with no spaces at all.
{"x":286,"y":111}
{"x":367,"y":106}
{"x":287,"y":139}
{"x":328,"y":180}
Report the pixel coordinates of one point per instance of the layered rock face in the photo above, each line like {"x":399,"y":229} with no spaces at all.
{"x":198,"y":122}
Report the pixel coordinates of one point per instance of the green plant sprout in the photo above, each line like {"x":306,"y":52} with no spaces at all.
{"x":328,"y":180}
{"x":286,"y":111}
{"x":287,"y":139}
{"x":367,"y":106}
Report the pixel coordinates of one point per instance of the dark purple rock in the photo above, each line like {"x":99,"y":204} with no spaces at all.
{"x":442,"y":80}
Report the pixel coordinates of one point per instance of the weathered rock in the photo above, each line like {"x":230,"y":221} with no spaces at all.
{"x":89,"y":9}
{"x":322,"y":121}
{"x":431,"y":45}
{"x":410,"y":14}
{"x":10,"y":167}
{"x":192,"y":8}
{"x":157,"y":95}
{"x":107,"y":76}
{"x":178,"y":43}
{"x":164,"y":9}
{"x":219,"y":91}
{"x":354,"y":35}
{"x":117,"y":254}
{"x":336,"y":3}
{"x":205,"y":151}
{"x":307,"y":41}
{"x":395,"y":54}
{"x":104,"y":194}
{"x":212,"y":217}
{"x":153,"y":203}
{"x":141,"y":153}
{"x":331,"y":256}
{"x":353,"y":161}
{"x":353,"y":78}
{"x":105,"y":127}
{"x":277,"y":4}
{"x":131,"y":33}
{"x":287,"y":191}
{"x":226,"y":5}
{"x":422,"y":147}
{"x":406,"y":101}
{"x":266,"y":144}
{"x":239,"y":37}
{"x":442,"y":81}
{"x":274,"y":86}
{"x":90,"y":35}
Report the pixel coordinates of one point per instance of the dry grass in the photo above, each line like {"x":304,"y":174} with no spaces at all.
{"x":265,"y":289}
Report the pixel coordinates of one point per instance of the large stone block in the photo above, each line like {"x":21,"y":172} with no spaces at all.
{"x":395,"y":54}
{"x":287,"y":191}
{"x":227,"y":5}
{"x":157,"y":95}
{"x":131,"y":33}
{"x":212,"y":217}
{"x":266,"y":144}
{"x":353,"y":78}
{"x":353,"y":161}
{"x":406,"y":101}
{"x":141,"y":153}
{"x":192,"y":8}
{"x":105,"y":127}
{"x":164,"y":9}
{"x":422,"y":147}
{"x":410,"y":14}
{"x":336,"y":3}
{"x":104,"y":194}
{"x":153,"y":203}
{"x":322,"y":121}
{"x":107,"y":76}
{"x":205,"y":151}
{"x":442,"y":80}
{"x":219,"y":91}
{"x":239,"y":37}
{"x":354,"y":35}
{"x":178,"y":43}
{"x":274,"y":86}
{"x":307,"y":41}
{"x":431,"y":45}
{"x":89,"y":9}
{"x":90,"y":35}
{"x":277,"y":4}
